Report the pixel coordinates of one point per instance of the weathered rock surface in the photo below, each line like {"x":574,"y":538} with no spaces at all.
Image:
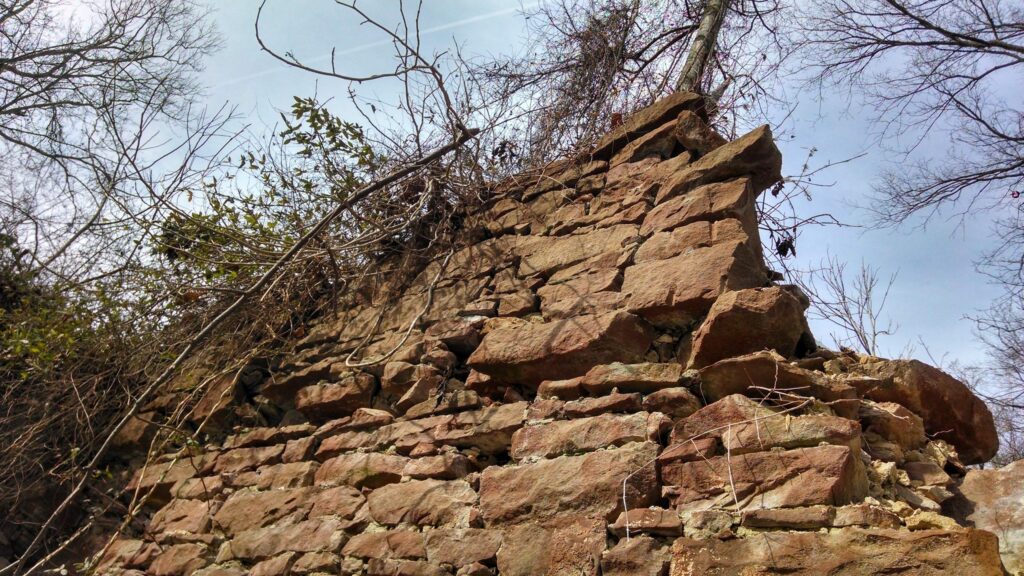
{"x":849,"y":552}
{"x":600,"y":368}
{"x":590,"y":484}
{"x":747,"y":321}
{"x":801,"y":477}
{"x":679,"y":290}
{"x":949,"y":410}
{"x":532,"y":353}
{"x":993,"y":500}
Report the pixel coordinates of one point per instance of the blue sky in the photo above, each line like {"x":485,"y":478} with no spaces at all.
{"x":937,"y":285}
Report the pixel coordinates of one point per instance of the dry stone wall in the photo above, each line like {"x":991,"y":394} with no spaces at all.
{"x":602,"y":379}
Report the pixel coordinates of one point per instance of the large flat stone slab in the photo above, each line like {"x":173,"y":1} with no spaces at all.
{"x":530,"y":353}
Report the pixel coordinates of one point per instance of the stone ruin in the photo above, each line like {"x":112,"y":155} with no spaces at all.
{"x":604,"y":378}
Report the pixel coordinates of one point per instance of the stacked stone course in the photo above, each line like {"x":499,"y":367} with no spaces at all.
{"x":607,"y":381}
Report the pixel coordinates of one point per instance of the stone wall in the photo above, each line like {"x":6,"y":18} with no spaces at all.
{"x":603,"y":379}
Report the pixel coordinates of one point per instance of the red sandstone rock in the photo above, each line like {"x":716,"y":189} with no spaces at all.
{"x":562,"y":389}
{"x":743,"y":425}
{"x":246,"y":510}
{"x":192,"y":516}
{"x":950,"y":411}
{"x":586,"y":434}
{"x":638,"y":556}
{"x":319,"y":535}
{"x":865,"y":515}
{"x":179,"y":560}
{"x":281,"y":388}
{"x":694,"y":133}
{"x":748,"y":321}
{"x":643,"y":378}
{"x":387,"y":567}
{"x":458,"y":334}
{"x":590,"y":484}
{"x":488,"y":430}
{"x":689,"y":451}
{"x":424,"y":503}
{"x":359,"y":420}
{"x":673,"y":402}
{"x":808,"y":518}
{"x":445,"y":466}
{"x":450,"y":402}
{"x":391,"y":544}
{"x":532,"y":353}
{"x":614,"y":402}
{"x":994,"y":500}
{"x":544,"y":255}
{"x":370,"y":470}
{"x":753,"y":155}
{"x":657,"y":521}
{"x":268,"y":436}
{"x":324,"y":401}
{"x":801,"y":477}
{"x":658,"y":143}
{"x":565,"y":545}
{"x":644,"y":120}
{"x":710,"y":202}
{"x":894,"y":423}
{"x":241,"y":459}
{"x":462,"y":546}
{"x":679,"y":290}
{"x":758,"y":373}
{"x":847,"y":552}
{"x":342,"y":501}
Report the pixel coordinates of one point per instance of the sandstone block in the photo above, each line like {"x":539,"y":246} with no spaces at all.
{"x":894,"y":423}
{"x":397,"y":544}
{"x":319,"y":535}
{"x":847,"y":552}
{"x":679,"y":290}
{"x":241,"y":459}
{"x":488,"y":430}
{"x":758,"y":373}
{"x":462,"y":546}
{"x":643,"y":121}
{"x":445,"y":466}
{"x":808,"y":518}
{"x":643,"y":378}
{"x":950,"y":411}
{"x":743,"y":425}
{"x":747,"y":321}
{"x":802,"y":477}
{"x":179,"y":560}
{"x":994,"y":500}
{"x":639,"y":556}
{"x":707,"y":203}
{"x":544,"y":255}
{"x":424,"y":503}
{"x":585,"y":434}
{"x":673,"y":402}
{"x":657,"y":521}
{"x":531,"y":353}
{"x":345,"y":502}
{"x":693,"y":133}
{"x":614,"y":402}
{"x":753,"y":155}
{"x":321,"y":402}
{"x":268,"y":436}
{"x":590,"y":484}
{"x":565,"y":545}
{"x":369,"y":469}
{"x":247,"y":509}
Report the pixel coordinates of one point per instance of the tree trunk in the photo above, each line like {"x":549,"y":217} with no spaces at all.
{"x":703,"y":47}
